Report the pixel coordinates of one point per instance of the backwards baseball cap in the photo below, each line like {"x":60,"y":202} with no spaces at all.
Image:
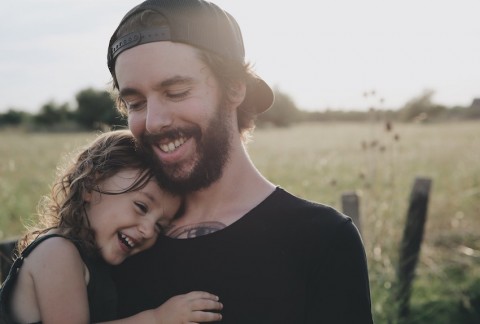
{"x":198,"y":23}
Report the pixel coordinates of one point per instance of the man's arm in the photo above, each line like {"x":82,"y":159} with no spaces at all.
{"x":340,"y":287}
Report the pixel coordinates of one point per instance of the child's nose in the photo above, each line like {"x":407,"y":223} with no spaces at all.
{"x":147,"y":228}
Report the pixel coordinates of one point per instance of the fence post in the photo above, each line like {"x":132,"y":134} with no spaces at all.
{"x":411,"y":243}
{"x":351,"y":207}
{"x":7,"y":248}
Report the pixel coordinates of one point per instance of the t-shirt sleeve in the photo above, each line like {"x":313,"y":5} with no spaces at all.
{"x":340,"y":286}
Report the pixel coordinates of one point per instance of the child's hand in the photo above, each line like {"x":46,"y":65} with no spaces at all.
{"x":189,"y":308}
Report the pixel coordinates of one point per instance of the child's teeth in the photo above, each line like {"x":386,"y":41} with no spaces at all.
{"x":128,"y":240}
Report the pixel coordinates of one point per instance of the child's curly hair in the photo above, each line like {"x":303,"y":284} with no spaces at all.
{"x":64,"y":209}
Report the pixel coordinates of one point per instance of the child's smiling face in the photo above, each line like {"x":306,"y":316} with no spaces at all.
{"x":129,"y":222}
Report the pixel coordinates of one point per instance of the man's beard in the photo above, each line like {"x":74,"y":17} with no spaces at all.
{"x":212,"y":153}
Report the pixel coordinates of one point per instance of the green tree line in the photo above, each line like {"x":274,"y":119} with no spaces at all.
{"x":420,"y":109}
{"x":95,"y":109}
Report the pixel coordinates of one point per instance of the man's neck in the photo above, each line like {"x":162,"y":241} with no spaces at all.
{"x":240,"y":188}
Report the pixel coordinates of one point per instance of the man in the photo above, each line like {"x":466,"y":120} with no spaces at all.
{"x":191,"y":99}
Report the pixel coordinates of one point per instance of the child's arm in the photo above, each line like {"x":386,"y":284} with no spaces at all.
{"x":189,"y":308}
{"x":58,"y":276}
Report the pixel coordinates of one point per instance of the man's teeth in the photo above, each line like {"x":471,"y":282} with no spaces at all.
{"x":170,"y":147}
{"x":128,"y":241}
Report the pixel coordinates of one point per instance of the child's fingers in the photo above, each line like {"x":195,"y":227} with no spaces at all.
{"x":201,"y":300}
{"x":200,"y":317}
{"x":201,"y":295}
{"x":205,"y":304}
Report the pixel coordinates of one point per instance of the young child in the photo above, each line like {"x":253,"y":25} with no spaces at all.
{"x":105,"y":207}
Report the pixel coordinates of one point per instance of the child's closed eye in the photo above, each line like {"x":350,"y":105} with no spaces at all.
{"x":141,"y":207}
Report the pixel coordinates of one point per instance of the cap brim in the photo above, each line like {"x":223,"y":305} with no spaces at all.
{"x":259,"y":97}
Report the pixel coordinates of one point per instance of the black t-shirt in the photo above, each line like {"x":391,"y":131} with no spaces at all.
{"x":286,"y":261}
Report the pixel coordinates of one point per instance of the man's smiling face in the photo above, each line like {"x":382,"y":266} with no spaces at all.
{"x":175,"y":108}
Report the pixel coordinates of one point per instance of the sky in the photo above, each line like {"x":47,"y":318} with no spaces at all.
{"x":324,"y":54}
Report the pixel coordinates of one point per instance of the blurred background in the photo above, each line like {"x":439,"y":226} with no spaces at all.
{"x":371,"y":97}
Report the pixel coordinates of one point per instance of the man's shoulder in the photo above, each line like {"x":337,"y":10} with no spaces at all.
{"x":313,"y":226}
{"x":291,"y":208}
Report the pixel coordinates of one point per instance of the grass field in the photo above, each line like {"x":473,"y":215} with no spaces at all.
{"x":320,"y":162}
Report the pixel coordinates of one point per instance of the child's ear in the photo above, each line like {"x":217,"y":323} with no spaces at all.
{"x":87,"y":196}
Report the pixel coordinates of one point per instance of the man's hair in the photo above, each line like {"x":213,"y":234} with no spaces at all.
{"x":64,"y":208}
{"x":227,"y":71}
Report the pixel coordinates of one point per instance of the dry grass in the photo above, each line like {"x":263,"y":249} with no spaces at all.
{"x":27,"y":167}
{"x":320,"y":162}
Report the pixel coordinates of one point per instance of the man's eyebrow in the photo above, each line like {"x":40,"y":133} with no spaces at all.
{"x":128,"y":92}
{"x":176,"y":80}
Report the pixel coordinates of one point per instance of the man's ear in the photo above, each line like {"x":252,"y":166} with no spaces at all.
{"x":236,"y":92}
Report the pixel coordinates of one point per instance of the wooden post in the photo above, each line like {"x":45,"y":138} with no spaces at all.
{"x":411,"y":243}
{"x":351,"y":206}
{"x":7,"y":248}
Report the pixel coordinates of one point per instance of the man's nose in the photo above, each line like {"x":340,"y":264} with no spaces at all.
{"x":158,"y":116}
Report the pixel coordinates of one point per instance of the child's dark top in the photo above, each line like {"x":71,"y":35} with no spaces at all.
{"x":102,"y":296}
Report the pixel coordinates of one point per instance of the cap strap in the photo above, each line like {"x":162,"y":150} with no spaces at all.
{"x":141,"y":37}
